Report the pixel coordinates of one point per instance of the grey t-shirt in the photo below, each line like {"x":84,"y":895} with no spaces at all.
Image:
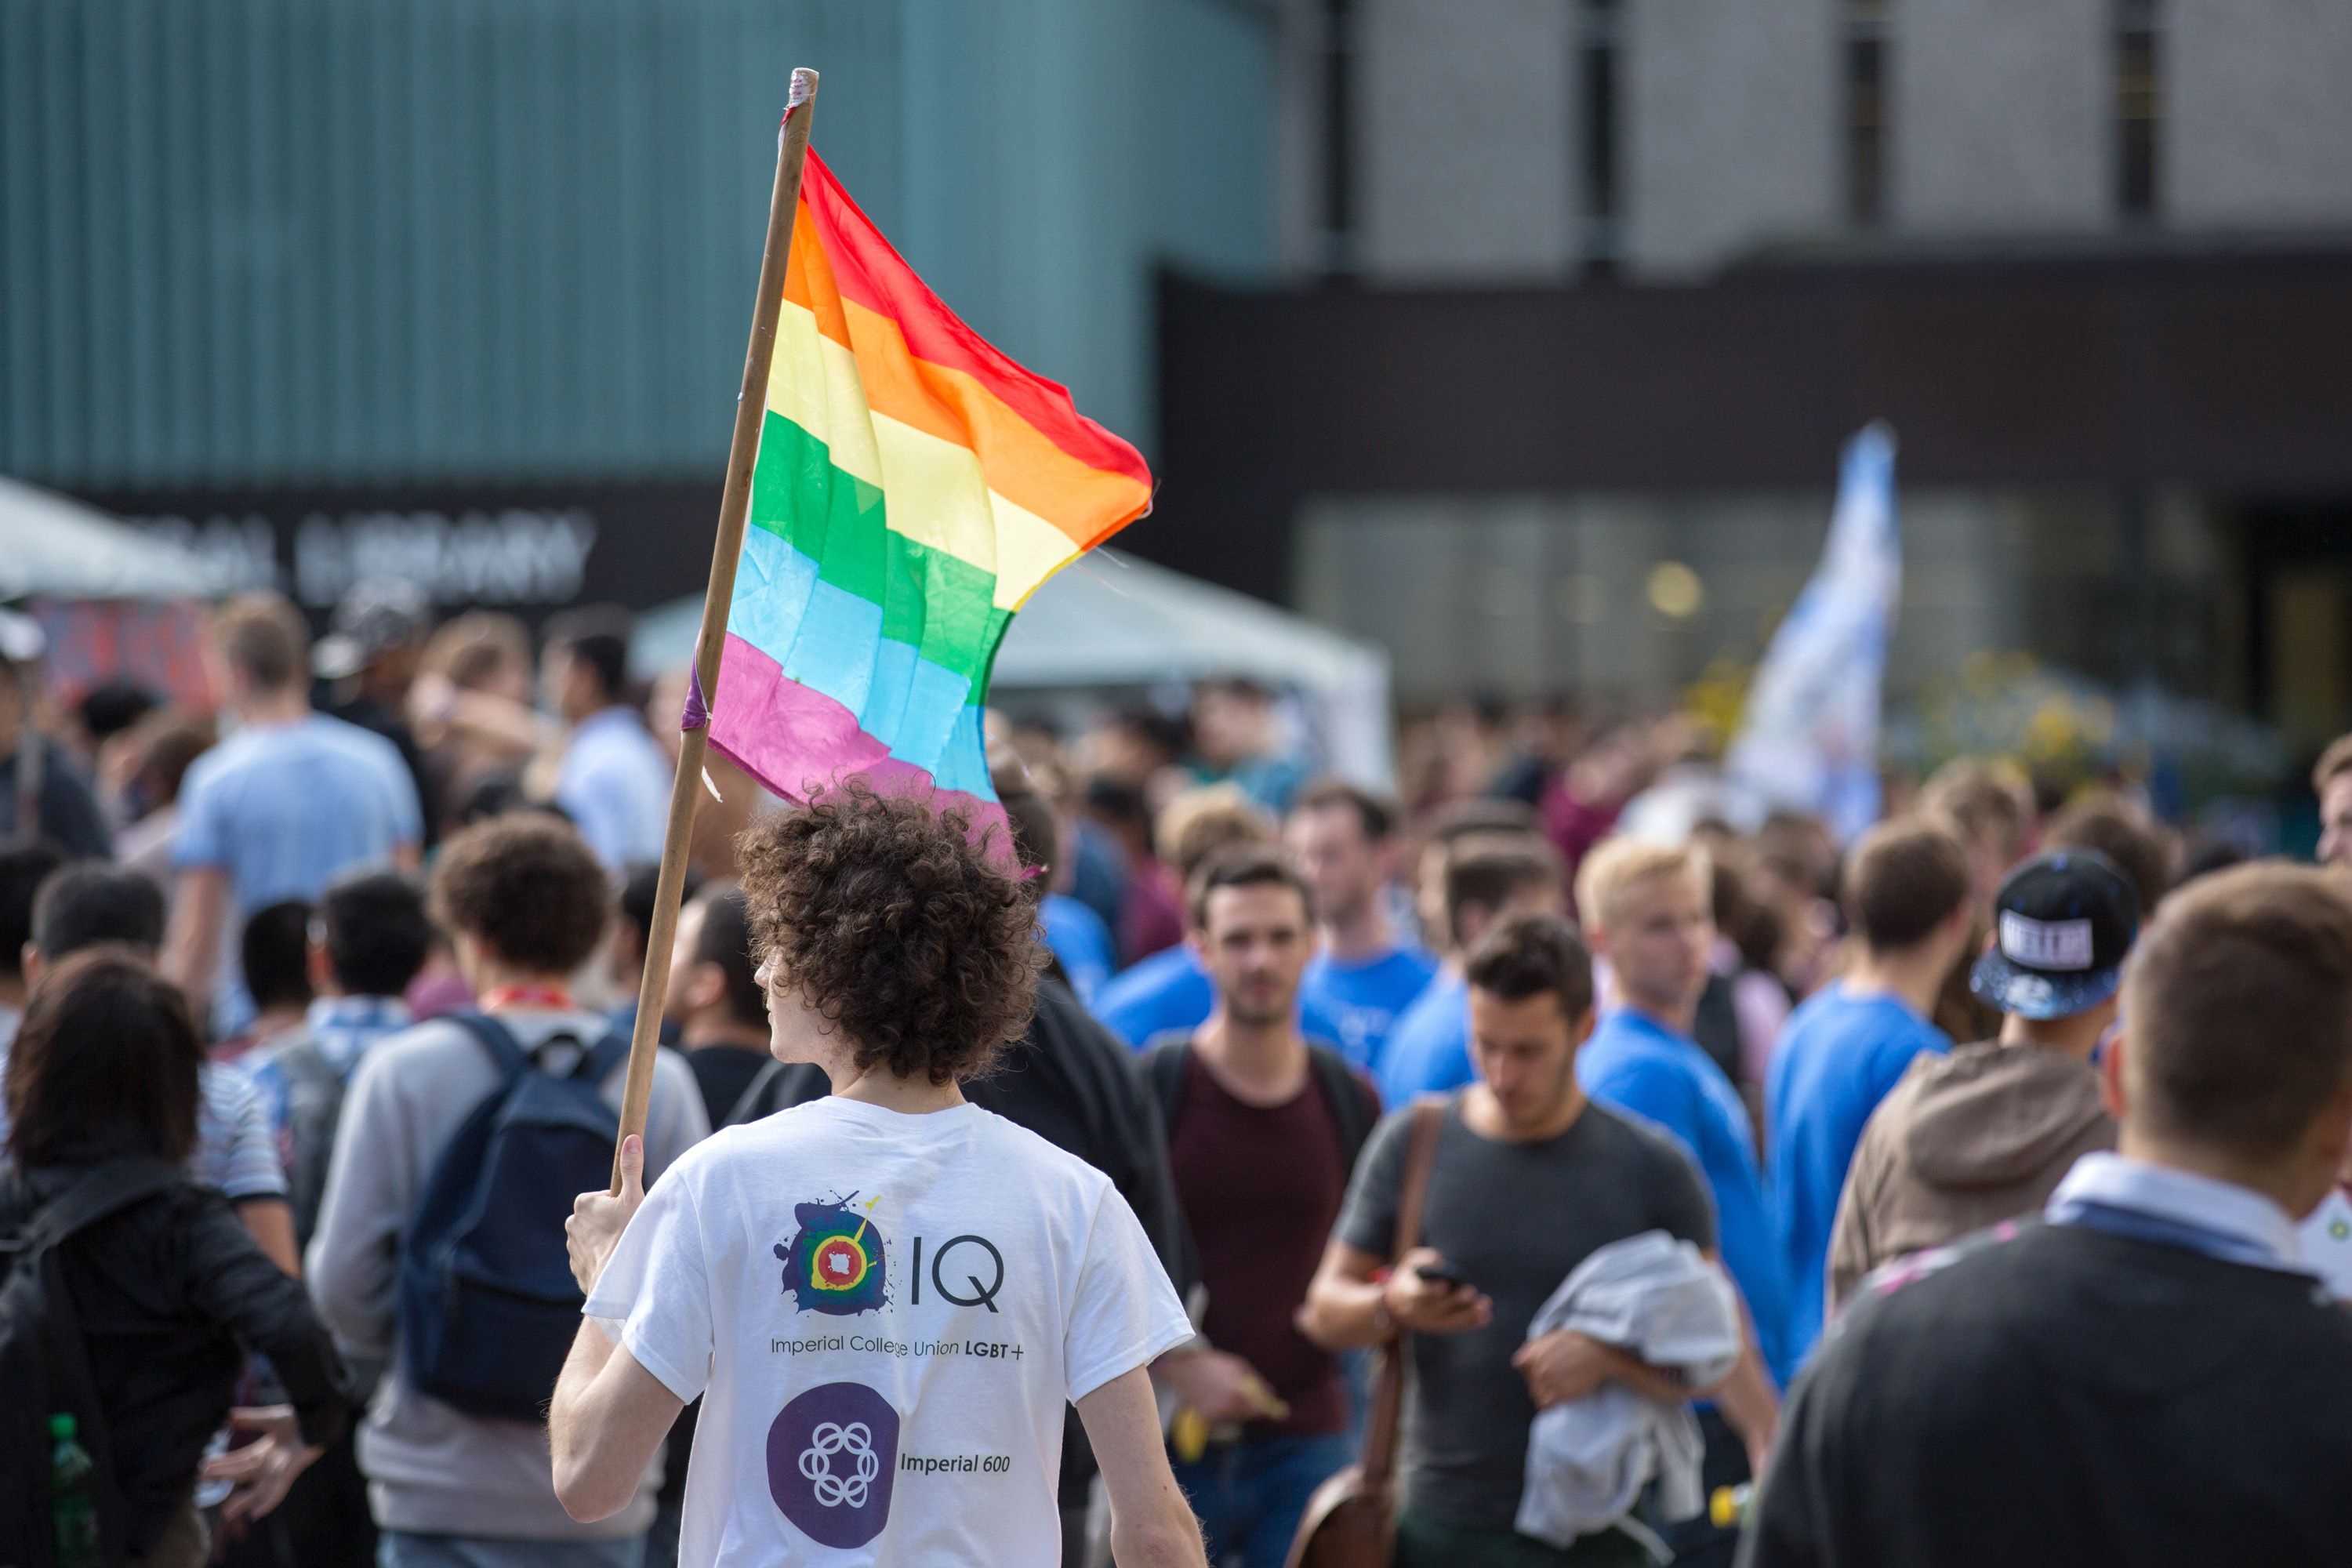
{"x":1517,"y":1219}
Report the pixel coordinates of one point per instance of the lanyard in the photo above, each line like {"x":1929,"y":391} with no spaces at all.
{"x":544,"y":998}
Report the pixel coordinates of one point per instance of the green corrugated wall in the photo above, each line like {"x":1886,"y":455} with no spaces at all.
{"x":293,"y":241}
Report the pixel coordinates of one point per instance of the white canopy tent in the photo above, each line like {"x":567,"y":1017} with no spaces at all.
{"x":1110,"y":622}
{"x":55,"y":548}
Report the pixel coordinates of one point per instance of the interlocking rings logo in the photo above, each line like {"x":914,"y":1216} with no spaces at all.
{"x":832,"y":1455}
{"x":830,"y":1489}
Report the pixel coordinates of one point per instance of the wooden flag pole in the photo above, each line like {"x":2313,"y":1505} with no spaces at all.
{"x":735,"y":504}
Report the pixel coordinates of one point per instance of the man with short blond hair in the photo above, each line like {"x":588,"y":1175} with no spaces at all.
{"x":2151,"y":1375}
{"x":1647,"y":913}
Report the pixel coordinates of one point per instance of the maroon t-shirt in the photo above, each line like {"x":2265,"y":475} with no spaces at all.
{"x":1261,"y":1190}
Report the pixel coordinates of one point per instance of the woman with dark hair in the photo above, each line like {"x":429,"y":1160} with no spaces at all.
{"x":170,"y":1291}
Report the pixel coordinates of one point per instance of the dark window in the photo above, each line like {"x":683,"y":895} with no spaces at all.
{"x":1866,"y":112}
{"x":1339,"y":138}
{"x":2137,"y":104}
{"x":1599,"y":157}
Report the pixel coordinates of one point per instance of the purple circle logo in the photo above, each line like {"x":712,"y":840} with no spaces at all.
{"x":832,"y":1456}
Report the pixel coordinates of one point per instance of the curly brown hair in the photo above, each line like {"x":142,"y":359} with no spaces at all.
{"x":896,"y":924}
{"x":527,"y":887}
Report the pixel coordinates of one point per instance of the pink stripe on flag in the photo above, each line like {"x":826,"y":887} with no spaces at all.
{"x":800,"y":742}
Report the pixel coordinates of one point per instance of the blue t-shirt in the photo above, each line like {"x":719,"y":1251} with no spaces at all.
{"x":1169,"y":991}
{"x":1080,"y":941}
{"x":1835,"y":1059}
{"x":1634,"y":1063}
{"x":1366,"y":999}
{"x":1428,"y":1051}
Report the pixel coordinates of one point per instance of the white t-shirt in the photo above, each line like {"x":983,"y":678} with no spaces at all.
{"x":2327,"y":1240}
{"x":883,"y":1315}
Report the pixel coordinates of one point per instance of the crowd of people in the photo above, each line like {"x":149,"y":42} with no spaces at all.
{"x":1699,"y":1189}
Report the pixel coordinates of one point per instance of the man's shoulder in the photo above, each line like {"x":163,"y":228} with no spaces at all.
{"x":1621,"y":1134}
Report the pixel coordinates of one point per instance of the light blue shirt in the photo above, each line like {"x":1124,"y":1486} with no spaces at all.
{"x":284,"y":809}
{"x":1836,"y":1058}
{"x":614,"y":784}
{"x":2161,"y":1203}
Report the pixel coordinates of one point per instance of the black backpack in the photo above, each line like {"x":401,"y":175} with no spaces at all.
{"x":314,"y":1108}
{"x":44,"y":1365}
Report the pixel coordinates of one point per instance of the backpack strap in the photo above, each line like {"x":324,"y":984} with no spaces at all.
{"x":599,"y":1061}
{"x":495,"y":1038}
{"x":1353,"y":1110}
{"x":1164,"y":1067}
{"x":109,"y":1189}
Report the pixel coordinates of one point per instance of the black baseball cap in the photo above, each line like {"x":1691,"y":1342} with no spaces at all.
{"x":2062,"y":923}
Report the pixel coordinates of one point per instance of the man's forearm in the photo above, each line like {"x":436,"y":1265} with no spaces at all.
{"x":1344,"y":1314}
{"x":1747,"y":1401}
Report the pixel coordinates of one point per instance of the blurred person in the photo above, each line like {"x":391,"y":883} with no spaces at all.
{"x":1986,"y":1133}
{"x":1458,"y":828}
{"x":624,"y":948}
{"x":614,"y":782}
{"x":1543,"y":738}
{"x":1263,"y":1128}
{"x":104,"y":731}
{"x":1647,"y":915}
{"x":2203,"y":854}
{"x":525,"y":904}
{"x":1152,"y":901}
{"x":1171,"y":991}
{"x":1486,"y":880}
{"x":1135,"y":747}
{"x":1072,"y":1082}
{"x":274,"y":955}
{"x":2115,"y":827}
{"x":1234,"y":741}
{"x":470,"y":705}
{"x":1520,"y":1140}
{"x":24,"y":865}
{"x":287,"y":802}
{"x":716,"y":1007}
{"x":43,"y":792}
{"x":898,"y":959}
{"x":1797,"y":873}
{"x":1907,"y":903}
{"x":164,"y":747}
{"x":1581,"y":805}
{"x":2331,"y":781}
{"x":1079,"y":938}
{"x":363,"y":948}
{"x":368,"y":664}
{"x":168,"y":1291}
{"x":1989,"y":804}
{"x":1748,"y":943}
{"x":1362,"y":977}
{"x":2148,"y":1376}
{"x":93,"y":905}
{"x":720,"y":822}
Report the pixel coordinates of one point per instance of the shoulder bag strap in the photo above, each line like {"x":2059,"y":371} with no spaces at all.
{"x":1381,"y":1424}
{"x":107,"y":1190}
{"x":497,"y":1040}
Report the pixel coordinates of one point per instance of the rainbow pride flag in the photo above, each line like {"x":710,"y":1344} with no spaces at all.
{"x":914,"y":486}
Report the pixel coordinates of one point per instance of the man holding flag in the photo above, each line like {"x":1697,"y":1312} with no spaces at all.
{"x":885,"y":1298}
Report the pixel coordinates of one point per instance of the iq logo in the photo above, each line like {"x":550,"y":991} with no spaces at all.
{"x":832,"y":1456}
{"x":834,"y":1264}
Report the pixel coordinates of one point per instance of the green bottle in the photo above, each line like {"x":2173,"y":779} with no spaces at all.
{"x":71,"y":1505}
